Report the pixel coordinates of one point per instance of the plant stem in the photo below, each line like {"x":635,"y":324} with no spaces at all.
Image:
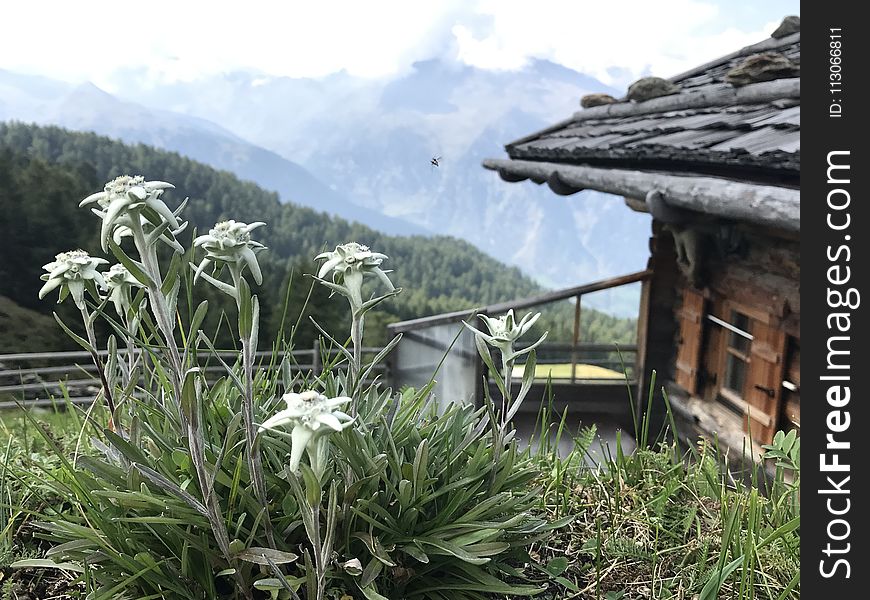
{"x":95,"y":356}
{"x":356,"y":328}
{"x":507,"y":370}
{"x":255,"y":463}
{"x":195,"y":436}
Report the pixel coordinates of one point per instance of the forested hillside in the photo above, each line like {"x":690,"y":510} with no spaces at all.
{"x":44,"y":171}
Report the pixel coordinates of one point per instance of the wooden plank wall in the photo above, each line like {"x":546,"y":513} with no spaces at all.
{"x":763,"y":278}
{"x":662,"y":329}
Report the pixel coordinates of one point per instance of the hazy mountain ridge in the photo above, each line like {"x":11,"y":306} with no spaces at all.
{"x":370,"y":141}
{"x":86,"y":107}
{"x":373,"y":141}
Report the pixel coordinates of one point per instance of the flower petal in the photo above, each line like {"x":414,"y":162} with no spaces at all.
{"x":251,"y":260}
{"x":92,"y":198}
{"x":330,"y":264}
{"x":51,"y":284}
{"x":527,"y":322}
{"x":77,"y":291}
{"x":334,"y":402}
{"x":383,"y":277}
{"x":161,"y":209}
{"x":301,"y":437}
{"x":329,"y":420}
{"x":112,"y":213}
{"x":278,"y":419}
{"x":202,"y":266}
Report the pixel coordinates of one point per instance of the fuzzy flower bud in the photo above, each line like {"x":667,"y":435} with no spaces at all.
{"x":124,"y":199}
{"x":311,"y":416}
{"x":120,"y":283}
{"x":71,"y":271}
{"x":504,"y":331}
{"x":229,"y":242}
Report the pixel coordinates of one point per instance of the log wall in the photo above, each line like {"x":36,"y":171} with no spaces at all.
{"x":760,"y":279}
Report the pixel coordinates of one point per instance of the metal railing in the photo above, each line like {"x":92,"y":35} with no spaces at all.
{"x":611,"y":361}
{"x":38,"y":379}
{"x":573,"y":359}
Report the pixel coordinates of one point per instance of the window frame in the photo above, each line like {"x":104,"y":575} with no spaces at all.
{"x":732,"y":398}
{"x":723,"y":394}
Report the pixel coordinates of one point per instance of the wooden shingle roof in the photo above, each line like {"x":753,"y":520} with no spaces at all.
{"x":746,"y":137}
{"x":756,"y":139}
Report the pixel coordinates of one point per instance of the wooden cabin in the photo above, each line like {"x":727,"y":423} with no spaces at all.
{"x":713,"y":155}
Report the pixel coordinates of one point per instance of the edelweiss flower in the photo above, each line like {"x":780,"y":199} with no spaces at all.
{"x":348,"y":260}
{"x":123,"y":227}
{"x":229,"y":242}
{"x":504,"y":331}
{"x":127,"y":194}
{"x":313,"y":416}
{"x":119,"y":283}
{"x":71,"y":270}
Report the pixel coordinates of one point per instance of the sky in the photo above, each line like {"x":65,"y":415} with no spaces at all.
{"x":615,"y":41}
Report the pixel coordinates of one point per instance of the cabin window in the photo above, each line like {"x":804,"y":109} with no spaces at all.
{"x":737,"y":353}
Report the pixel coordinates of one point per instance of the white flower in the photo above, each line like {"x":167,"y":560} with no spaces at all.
{"x":504,"y":331}
{"x":71,"y":270}
{"x":312,"y":416}
{"x":128,"y":196}
{"x":229,"y":242}
{"x":123,"y":227}
{"x":348,"y":260}
{"x":119,"y":283}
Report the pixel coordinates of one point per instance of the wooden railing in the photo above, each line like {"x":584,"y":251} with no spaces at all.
{"x":35,"y":379}
{"x":576,"y":352}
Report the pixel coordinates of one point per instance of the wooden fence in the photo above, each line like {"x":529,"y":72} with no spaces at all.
{"x":34,"y":379}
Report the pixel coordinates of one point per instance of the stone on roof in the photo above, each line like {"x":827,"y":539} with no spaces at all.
{"x":704,"y":125}
{"x":762,"y":67}
{"x":649,"y":88}
{"x":789,"y":25}
{"x":590,"y":100}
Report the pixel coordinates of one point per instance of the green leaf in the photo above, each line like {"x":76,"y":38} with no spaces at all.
{"x":255,"y":322}
{"x":375,"y":547}
{"x":445,"y":547}
{"x":224,"y":287}
{"x":189,"y":397}
{"x":198,"y":317}
{"x":136,"y":269}
{"x":268,"y":584}
{"x":76,"y":338}
{"x":44,"y":563}
{"x":245,"y":309}
{"x":170,"y":279}
{"x":313,"y":491}
{"x":370,"y":573}
{"x":557,"y":566}
{"x":170,"y":487}
{"x":711,"y":589}
{"x":371,"y":593}
{"x":263,"y":556}
{"x":132,"y":453}
{"x":415,"y":552}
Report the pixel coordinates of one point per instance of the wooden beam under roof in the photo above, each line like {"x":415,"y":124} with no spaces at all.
{"x":774,"y":206}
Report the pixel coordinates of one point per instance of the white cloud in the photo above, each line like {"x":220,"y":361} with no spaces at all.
{"x":174,"y":39}
{"x":662,"y":38}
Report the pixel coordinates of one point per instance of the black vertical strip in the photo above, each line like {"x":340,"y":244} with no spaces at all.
{"x":834,"y":246}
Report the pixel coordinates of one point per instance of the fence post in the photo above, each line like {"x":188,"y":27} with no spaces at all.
{"x":576,"y":339}
{"x":316,"y":365}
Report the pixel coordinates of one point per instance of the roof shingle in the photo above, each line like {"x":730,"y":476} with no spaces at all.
{"x":757,"y":137}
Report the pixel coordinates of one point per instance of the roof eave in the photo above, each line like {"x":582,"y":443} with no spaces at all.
{"x":768,"y":205}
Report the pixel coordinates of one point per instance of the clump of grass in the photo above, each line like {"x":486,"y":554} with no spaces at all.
{"x":660,"y":523}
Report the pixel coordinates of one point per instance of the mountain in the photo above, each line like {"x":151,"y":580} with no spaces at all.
{"x":44,"y":171}
{"x":373,"y":139}
{"x":86,"y":107}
